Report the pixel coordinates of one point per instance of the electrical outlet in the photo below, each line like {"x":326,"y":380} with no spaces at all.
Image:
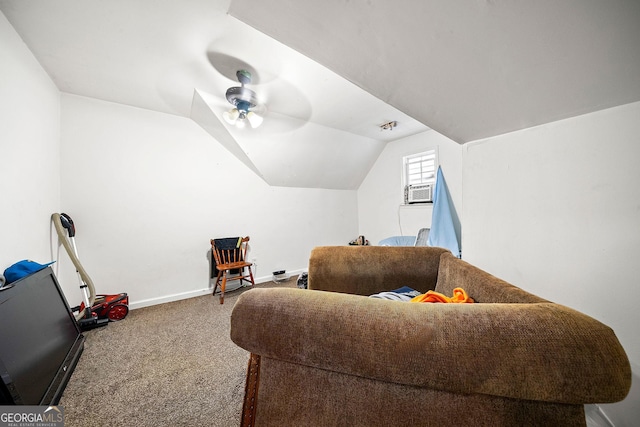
{"x":254,"y":261}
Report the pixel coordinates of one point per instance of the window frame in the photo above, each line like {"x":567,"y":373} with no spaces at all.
{"x":431,"y":166}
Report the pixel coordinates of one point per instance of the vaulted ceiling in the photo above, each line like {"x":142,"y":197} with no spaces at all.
{"x":331,"y":72}
{"x":469,"y":69}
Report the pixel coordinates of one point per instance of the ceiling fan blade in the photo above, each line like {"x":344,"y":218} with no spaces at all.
{"x":259,"y":109}
{"x":228,"y":66}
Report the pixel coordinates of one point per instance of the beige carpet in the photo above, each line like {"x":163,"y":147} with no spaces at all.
{"x":167,"y":365}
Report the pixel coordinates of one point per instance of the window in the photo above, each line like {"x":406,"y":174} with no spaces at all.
{"x":419,"y":169}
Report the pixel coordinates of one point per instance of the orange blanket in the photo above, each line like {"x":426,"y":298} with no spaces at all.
{"x":459,"y":296}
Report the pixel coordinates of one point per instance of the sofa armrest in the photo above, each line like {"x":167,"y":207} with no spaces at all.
{"x":366,"y":270}
{"x":544,"y":352}
{"x":479,"y":285}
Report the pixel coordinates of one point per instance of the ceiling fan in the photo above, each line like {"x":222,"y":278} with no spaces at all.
{"x":245,"y":103}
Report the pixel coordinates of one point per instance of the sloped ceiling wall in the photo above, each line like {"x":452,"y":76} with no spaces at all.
{"x":320,"y":130}
{"x":469,"y":69}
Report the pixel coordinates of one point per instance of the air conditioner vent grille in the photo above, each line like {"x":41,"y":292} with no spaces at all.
{"x":421,"y":193}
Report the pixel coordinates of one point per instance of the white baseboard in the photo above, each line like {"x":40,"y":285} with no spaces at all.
{"x":192,"y":294}
{"x":167,"y":298}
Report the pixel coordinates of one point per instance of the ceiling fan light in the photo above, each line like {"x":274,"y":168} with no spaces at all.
{"x":231,"y":116}
{"x":254,"y":119}
{"x":240,"y":124}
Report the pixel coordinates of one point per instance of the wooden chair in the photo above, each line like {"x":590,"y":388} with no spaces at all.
{"x":229,"y":255}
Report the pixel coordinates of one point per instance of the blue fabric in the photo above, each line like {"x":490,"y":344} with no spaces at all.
{"x":406,"y":290}
{"x":443,"y":231}
{"x":404,"y":293}
{"x":23,"y":268}
{"x":398,"y":241}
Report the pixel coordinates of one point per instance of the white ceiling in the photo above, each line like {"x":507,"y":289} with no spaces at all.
{"x":469,"y":69}
{"x":320,"y":130}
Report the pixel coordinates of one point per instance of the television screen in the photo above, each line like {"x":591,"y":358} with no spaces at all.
{"x":40,"y":340}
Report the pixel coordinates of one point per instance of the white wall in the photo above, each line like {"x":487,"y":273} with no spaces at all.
{"x":380,"y":196}
{"x":148,"y":190}
{"x":29,"y":152}
{"x":555,"y":209}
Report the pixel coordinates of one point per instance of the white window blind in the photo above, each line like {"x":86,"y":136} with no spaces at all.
{"x":420,"y":168}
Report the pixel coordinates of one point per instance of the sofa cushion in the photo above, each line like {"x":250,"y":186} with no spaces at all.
{"x":480,"y":285}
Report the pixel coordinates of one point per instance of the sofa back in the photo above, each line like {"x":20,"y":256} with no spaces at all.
{"x":366,"y":270}
{"x":479,"y":285}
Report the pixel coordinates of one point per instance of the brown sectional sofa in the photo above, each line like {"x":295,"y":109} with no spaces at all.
{"x":329,"y":356}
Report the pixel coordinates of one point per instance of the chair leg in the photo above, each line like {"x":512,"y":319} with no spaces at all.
{"x":222,"y":287}
{"x":217,"y":283}
{"x":251,"y":276}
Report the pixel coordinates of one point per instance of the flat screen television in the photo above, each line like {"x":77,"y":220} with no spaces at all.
{"x":40,"y":341}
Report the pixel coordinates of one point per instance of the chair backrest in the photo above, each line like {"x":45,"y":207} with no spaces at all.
{"x":423,"y":236}
{"x":229,"y":249}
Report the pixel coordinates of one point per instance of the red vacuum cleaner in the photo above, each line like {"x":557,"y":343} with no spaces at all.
{"x":95,"y":310}
{"x":112,"y":307}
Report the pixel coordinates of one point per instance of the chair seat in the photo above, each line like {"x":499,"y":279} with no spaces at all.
{"x":234,"y":265}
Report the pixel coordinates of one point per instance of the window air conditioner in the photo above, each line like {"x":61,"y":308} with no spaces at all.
{"x":421,"y":193}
